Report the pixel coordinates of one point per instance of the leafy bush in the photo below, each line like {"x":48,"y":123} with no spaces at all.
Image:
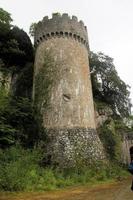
{"x":107,"y":85}
{"x":111,"y":140}
{"x":20,"y":170}
{"x":17,"y":121}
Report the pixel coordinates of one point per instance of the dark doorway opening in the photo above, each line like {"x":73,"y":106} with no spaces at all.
{"x":131,"y":153}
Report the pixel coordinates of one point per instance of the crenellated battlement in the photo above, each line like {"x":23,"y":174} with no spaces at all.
{"x":61,"y":26}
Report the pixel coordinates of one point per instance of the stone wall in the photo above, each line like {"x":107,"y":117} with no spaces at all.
{"x":62,"y":91}
{"x":102,"y":115}
{"x":126,"y":145}
{"x":69,"y":92}
{"x":70,"y":147}
{"x":61,"y":26}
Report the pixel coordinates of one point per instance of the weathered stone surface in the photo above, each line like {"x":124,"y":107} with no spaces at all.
{"x":5,"y":80}
{"x":101,"y":115}
{"x":69,"y":147}
{"x":61,"y":26}
{"x":69,"y":90}
{"x":62,"y":91}
{"x":127,"y":144}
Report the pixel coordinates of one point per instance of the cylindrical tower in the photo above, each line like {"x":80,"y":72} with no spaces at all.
{"x":62,"y":91}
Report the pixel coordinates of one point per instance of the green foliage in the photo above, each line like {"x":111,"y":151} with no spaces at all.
{"x":5,"y":25}
{"x":5,"y":17}
{"x":24,"y":82}
{"x":32,"y":29}
{"x":10,"y":53}
{"x":16,"y":49}
{"x":17,"y":122}
{"x":15,"y":45}
{"x":20,"y":171}
{"x":107,"y":85}
{"x":44,"y":81}
{"x":111,"y":140}
{"x":25,"y":44}
{"x":120,"y":126}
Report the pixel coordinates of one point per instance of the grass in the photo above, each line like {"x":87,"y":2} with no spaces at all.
{"x":20,"y":170}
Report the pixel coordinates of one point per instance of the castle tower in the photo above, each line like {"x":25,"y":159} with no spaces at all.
{"x":62,"y":91}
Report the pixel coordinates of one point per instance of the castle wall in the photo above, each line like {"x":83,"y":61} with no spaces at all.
{"x":126,"y":145}
{"x":62,"y":92}
{"x":61,"y":26}
{"x":70,"y":94}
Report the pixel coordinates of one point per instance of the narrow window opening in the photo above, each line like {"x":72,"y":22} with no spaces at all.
{"x":66,"y":34}
{"x":78,"y":38}
{"x":61,"y":33}
{"x":52,"y":34}
{"x":82,"y":40}
{"x":75,"y":36}
{"x":57,"y":34}
{"x":48,"y":35}
{"x":66,"y":97}
{"x":70,"y":34}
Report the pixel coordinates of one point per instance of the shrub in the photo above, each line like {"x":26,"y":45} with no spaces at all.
{"x":20,"y":170}
{"x":111,"y":140}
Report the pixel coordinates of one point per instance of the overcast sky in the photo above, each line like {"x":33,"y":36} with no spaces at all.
{"x":109,"y":23}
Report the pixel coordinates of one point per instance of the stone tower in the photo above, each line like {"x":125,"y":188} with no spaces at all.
{"x":62,"y":91}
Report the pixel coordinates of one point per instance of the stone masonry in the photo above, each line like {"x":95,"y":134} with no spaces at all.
{"x":62,"y":91}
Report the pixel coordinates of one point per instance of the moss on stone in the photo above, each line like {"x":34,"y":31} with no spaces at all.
{"x":111,"y":140}
{"x":44,"y":81}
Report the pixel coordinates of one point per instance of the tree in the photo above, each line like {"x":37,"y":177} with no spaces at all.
{"x":32,"y":29}
{"x":24,"y":82}
{"x":5,"y":24}
{"x":15,"y":45}
{"x":5,"y":20}
{"x":5,"y":17}
{"x":17,"y":122}
{"x":9,"y":47}
{"x":24,"y":43}
{"x":107,"y":85}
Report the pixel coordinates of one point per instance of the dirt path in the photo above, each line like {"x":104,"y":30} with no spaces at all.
{"x":115,"y":191}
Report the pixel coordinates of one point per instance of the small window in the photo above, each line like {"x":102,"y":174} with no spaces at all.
{"x":82,"y":40}
{"x":61,"y":33}
{"x":78,"y":38}
{"x":70,"y":34}
{"x":75,"y":36}
{"x":48,"y":35}
{"x":52,"y":34}
{"x":57,"y":33}
{"x":66,"y":34}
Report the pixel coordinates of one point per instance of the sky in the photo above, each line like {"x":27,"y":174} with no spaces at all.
{"x":109,"y":23}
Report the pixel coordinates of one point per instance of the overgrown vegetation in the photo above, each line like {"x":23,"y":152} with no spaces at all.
{"x":111,"y":141}
{"x":108,"y":86}
{"x":17,"y":122}
{"x":22,"y":166}
{"x":22,"y":170}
